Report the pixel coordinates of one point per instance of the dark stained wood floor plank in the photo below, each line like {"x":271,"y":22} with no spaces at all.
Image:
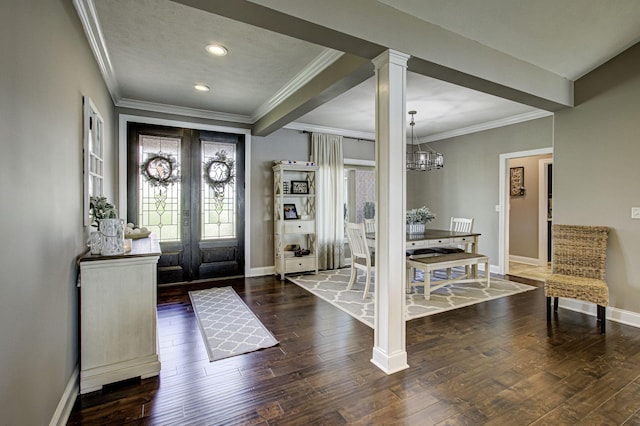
{"x":498,"y":362}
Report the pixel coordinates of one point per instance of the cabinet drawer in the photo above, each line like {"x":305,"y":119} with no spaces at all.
{"x":416,"y":244}
{"x":299,"y":227}
{"x":462,"y":240}
{"x":300,"y":264}
{"x":441,"y":241}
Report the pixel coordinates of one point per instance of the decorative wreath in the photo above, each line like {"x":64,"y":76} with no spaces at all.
{"x":219,"y":170}
{"x":160,"y":169}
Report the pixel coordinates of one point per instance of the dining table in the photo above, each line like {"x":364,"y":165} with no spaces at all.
{"x":433,"y":238}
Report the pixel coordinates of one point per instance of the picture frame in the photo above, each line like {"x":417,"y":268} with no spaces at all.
{"x":290,"y":212}
{"x":516,"y":180}
{"x":299,"y":187}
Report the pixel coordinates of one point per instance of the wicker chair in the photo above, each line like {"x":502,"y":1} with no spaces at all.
{"x":578,"y":268}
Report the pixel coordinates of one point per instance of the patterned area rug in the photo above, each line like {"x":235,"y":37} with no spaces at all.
{"x":228,"y":326}
{"x":332,"y":287}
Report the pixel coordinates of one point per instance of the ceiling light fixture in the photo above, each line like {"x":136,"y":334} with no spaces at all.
{"x":217,"y":50}
{"x":422,"y":160}
{"x":201,"y":87}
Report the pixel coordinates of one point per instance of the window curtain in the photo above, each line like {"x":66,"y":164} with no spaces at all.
{"x":326,"y":153}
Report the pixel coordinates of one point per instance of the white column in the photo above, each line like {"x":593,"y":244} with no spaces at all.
{"x":389,"y":351}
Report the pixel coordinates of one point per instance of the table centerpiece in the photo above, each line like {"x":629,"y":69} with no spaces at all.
{"x":418,"y":218}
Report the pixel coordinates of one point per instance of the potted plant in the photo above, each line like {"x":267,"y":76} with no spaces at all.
{"x":100,"y":208}
{"x":417,"y":218}
{"x":109,"y":239}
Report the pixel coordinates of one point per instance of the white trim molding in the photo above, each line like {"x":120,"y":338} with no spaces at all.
{"x":503,"y":196}
{"x":613,"y":314}
{"x":68,"y":399}
{"x":315,"y":67}
{"x":525,"y":260}
{"x":543,"y":220}
{"x":184,"y":111}
{"x":262,"y":271}
{"x":331,"y":130}
{"x":89,"y":19}
{"x":534,"y":115}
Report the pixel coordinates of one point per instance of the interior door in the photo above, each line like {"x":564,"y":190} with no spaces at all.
{"x":187,"y":186}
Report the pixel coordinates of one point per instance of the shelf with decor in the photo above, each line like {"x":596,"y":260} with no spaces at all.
{"x":294,"y":218}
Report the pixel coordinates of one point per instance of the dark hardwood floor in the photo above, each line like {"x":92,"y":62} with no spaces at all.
{"x":493,"y":363}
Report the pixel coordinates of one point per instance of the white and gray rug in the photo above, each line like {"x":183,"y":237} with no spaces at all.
{"x":228,"y":326}
{"x":332,"y":287}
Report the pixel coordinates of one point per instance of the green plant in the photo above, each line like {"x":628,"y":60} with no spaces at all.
{"x":100,"y":208}
{"x":420,"y":215}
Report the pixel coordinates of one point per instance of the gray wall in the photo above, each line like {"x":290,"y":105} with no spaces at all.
{"x":523,"y":211}
{"x":45,"y":69}
{"x":596,"y":175}
{"x":468,"y":184}
{"x":281,"y":145}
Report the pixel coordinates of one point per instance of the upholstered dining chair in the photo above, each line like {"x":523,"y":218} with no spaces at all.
{"x":578,"y":263}
{"x":361,"y":257}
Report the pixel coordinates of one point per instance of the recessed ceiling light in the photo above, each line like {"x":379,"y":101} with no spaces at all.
{"x":201,"y":87}
{"x":217,"y":50}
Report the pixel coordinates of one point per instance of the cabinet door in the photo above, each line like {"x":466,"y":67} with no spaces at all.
{"x":118,"y":312}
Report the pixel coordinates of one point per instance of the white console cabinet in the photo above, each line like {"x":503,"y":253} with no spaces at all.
{"x":118,"y":318}
{"x":294,"y":185}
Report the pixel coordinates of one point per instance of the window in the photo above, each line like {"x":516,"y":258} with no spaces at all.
{"x":93,"y":154}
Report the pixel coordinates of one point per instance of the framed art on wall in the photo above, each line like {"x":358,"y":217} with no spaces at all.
{"x":516,"y":181}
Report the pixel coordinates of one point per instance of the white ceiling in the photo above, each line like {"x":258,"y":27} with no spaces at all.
{"x":153,"y":51}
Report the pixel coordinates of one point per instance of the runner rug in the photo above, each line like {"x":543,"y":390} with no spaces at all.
{"x":228,"y":326}
{"x":332,"y":287}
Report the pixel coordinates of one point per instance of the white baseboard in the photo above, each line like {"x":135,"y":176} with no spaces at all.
{"x":613,"y":314}
{"x":525,"y":260}
{"x":63,"y":410}
{"x":493,"y":269}
{"x":260,"y":272}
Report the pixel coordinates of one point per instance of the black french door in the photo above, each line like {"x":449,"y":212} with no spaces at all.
{"x":187,"y":186}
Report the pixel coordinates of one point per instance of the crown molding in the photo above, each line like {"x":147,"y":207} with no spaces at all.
{"x":332,"y":130}
{"x":486,"y":126}
{"x":440,"y":136}
{"x":315,"y":67}
{"x":185,"y":111}
{"x":89,"y":19}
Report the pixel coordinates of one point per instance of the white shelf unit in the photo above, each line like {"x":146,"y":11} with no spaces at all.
{"x":301,"y":231}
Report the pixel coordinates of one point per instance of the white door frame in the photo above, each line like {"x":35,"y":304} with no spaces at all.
{"x":543,"y":235}
{"x":503,"y":221}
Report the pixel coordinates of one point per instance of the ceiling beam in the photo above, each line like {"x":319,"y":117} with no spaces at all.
{"x":346,"y":72}
{"x":366,"y":28}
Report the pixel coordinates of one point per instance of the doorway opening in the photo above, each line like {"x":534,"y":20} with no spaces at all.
{"x":505,"y":206}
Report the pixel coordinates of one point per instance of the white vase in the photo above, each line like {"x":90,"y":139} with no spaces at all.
{"x":415,"y":228}
{"x":95,"y":242}
{"x":112,"y":231}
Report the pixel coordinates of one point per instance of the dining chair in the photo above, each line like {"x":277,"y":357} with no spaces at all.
{"x":370,"y":226}
{"x":458,"y":224}
{"x":578,"y":264}
{"x":361,"y":257}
